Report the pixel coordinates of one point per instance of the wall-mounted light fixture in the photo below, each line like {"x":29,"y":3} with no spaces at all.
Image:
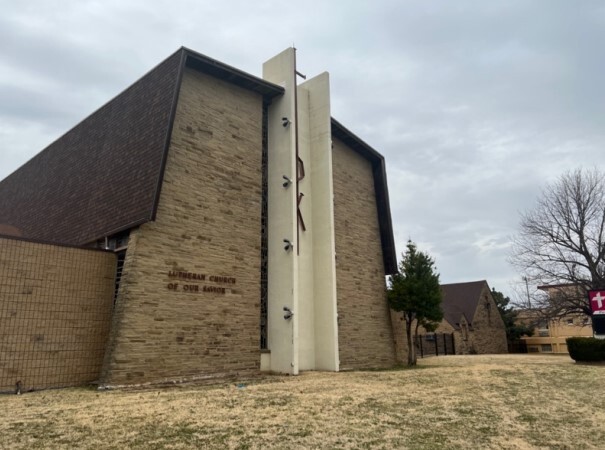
{"x":287,"y":313}
{"x":285,"y":122}
{"x":287,"y":181}
{"x":289,"y":245}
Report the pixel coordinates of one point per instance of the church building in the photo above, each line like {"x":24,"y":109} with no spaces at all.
{"x":204,"y":223}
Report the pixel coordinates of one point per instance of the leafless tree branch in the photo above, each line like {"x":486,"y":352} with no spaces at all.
{"x":561,"y":242}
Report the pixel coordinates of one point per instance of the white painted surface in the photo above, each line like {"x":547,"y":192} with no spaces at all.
{"x":265,"y":362}
{"x":303,"y":279}
{"x":324,"y":252}
{"x":282,"y":335}
{"x":305,"y":257}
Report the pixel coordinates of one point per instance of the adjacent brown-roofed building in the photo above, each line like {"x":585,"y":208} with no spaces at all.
{"x":226,"y":198}
{"x":470,"y":313}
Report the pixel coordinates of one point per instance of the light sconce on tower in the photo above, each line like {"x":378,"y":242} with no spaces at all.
{"x":289,"y":246}
{"x":285,"y":122}
{"x":287,"y":181}
{"x":287,"y":313}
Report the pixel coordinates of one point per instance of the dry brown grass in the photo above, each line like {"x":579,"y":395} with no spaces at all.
{"x":506,"y":401}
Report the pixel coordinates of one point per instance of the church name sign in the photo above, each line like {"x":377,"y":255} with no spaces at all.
{"x":189,"y":277}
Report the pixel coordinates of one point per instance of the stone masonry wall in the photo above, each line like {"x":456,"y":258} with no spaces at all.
{"x":488,"y":333}
{"x":55,"y":312}
{"x":189,"y":303}
{"x":365,"y":335}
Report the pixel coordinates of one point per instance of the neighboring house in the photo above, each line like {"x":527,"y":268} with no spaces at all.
{"x":471,"y":314}
{"x":550,"y":334}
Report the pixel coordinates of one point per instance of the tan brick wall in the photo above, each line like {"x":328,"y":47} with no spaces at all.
{"x":365,"y":335}
{"x":208,"y":223}
{"x":558,"y":331}
{"x":401,"y":342}
{"x":55,"y":311}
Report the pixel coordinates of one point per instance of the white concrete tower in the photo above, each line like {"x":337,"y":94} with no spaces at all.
{"x":302,"y":278}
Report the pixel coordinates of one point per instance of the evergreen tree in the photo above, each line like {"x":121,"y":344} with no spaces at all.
{"x":414,"y":290}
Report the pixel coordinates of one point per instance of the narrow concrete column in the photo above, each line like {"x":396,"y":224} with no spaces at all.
{"x":303,"y":279}
{"x":282,"y":265}
{"x":323,"y":298}
{"x":318,"y":331}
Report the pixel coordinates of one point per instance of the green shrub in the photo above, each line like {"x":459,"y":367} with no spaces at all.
{"x":584,"y":349}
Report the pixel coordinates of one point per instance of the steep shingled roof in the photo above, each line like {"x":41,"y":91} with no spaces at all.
{"x":461,"y":299}
{"x":104,"y":175}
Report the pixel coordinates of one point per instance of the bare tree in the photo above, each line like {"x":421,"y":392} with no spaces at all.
{"x":561,"y":242}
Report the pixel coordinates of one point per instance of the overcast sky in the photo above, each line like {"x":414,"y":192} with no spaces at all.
{"x":474,"y":104}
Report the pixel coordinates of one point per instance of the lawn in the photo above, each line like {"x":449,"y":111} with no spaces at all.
{"x":451,"y":402}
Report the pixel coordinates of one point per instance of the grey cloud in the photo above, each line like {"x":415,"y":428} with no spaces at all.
{"x":475,"y":105}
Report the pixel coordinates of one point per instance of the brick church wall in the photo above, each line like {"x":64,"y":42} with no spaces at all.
{"x":208,"y":224}
{"x":365,"y":335}
{"x":55,"y":312}
{"x":401,"y":341}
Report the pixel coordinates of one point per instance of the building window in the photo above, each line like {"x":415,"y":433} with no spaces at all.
{"x":119,"y":270}
{"x":264,"y":252}
{"x":569,"y":321}
{"x":116,"y":242}
{"x":546,"y":348}
{"x":488,"y":308}
{"x":532,"y":349}
{"x":465,"y":332}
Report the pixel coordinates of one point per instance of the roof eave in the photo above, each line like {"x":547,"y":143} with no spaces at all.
{"x":381,"y":189}
{"x":230,"y":74}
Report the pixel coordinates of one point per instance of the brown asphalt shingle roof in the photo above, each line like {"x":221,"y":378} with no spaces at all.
{"x":461,"y":299}
{"x":104,"y":175}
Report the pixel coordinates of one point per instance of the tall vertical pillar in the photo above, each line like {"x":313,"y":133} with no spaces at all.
{"x":304,"y":278}
{"x":282,"y":271}
{"x":321,"y":204}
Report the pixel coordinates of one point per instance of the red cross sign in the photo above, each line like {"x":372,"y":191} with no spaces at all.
{"x":597,"y":302}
